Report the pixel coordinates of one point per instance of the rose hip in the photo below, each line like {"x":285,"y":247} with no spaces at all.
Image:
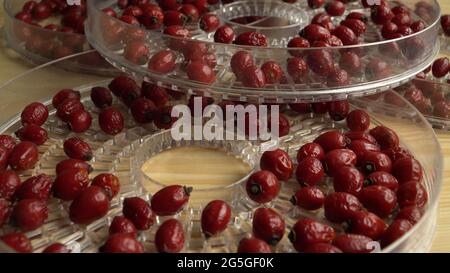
{"x":9,"y":184}
{"x":379,"y":200}
{"x":310,"y":171}
{"x":361,"y":148}
{"x":357,"y":26}
{"x":377,"y":69}
{"x":162,"y":62}
{"x":17,"y":241}
{"x":309,"y":198}
{"x":314,"y":32}
{"x":338,"y":110}
{"x":157,"y":94}
{"x":224,"y":35}
{"x":336,"y":159}
{"x":382,"y":178}
{"x":24,"y":156}
{"x":139,"y":212}
{"x":101,"y":97}
{"x":200,"y":72}
{"x":34,"y":113}
{"x":395,"y":231}
{"x":354,"y":243}
{"x":121,"y":224}
{"x":351,"y":62}
{"x":72,"y":164}
{"x":360,"y":135}
{"x":410,"y":213}
{"x":143,"y":110}
{"x":331,"y":140}
{"x":335,"y":8}
{"x":163,"y":118}
{"x":278,"y":162}
{"x":397,"y":153}
{"x":111,"y":121}
{"x":262,"y":186}
{"x":307,"y":231}
{"x":41,"y":11}
{"x":272,"y":72}
{"x":170,"y":200}
{"x":80,"y":122}
{"x":36,"y":187}
{"x":310,"y":150}
{"x":69,"y":107}
{"x":5,"y":211}
{"x":70,"y":183}
{"x":209,"y":22}
{"x":341,"y":206}
{"x":7,"y":142}
{"x":375,"y":161}
{"x":367,"y":224}
{"x":108,"y":182}
{"x":240,"y":61}
{"x":30,"y":214}
{"x":381,"y":14}
{"x":251,"y":38}
{"x":298,"y":42}
{"x":253,"y":245}
{"x":121,"y":84}
{"x":348,"y":179}
{"x":297,"y":68}
{"x":215,"y":217}
{"x":76,"y":148}
{"x":56,"y":248}
{"x":169,"y":237}
{"x":268,"y":225}
{"x":90,"y":205}
{"x":406,"y":169}
{"x":4,"y":156}
{"x":122,"y":243}
{"x":441,"y":67}
{"x":63,"y":95}
{"x":386,"y":137}
{"x":412,"y":193}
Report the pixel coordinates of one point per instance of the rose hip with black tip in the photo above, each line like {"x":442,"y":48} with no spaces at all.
{"x":309,"y":198}
{"x":382,"y":178}
{"x":122,"y":243}
{"x":30,"y":214}
{"x":215,"y":217}
{"x":361,"y":147}
{"x":341,"y":206}
{"x":338,"y":110}
{"x":375,"y":161}
{"x":163,"y":118}
{"x":108,"y":182}
{"x":379,"y":200}
{"x":307,"y":232}
{"x":253,"y":245}
{"x":139,"y":212}
{"x":358,"y":120}
{"x":157,"y":94}
{"x":268,"y":225}
{"x":121,"y":224}
{"x":70,"y":183}
{"x":395,"y":230}
{"x":36,"y":187}
{"x":170,"y":200}
{"x":262,"y":186}
{"x":278,"y":162}
{"x":367,"y":224}
{"x":24,"y":156}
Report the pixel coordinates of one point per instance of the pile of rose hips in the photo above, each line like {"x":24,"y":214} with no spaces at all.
{"x":378,"y":190}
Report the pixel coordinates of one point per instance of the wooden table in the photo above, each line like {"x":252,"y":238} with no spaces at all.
{"x":11,"y":66}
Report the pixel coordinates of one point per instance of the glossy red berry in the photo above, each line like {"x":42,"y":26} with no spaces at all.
{"x":410,"y":213}
{"x":331,"y":140}
{"x":122,"y":243}
{"x":108,"y":182}
{"x":209,"y":22}
{"x":139,"y":212}
{"x":253,"y":245}
{"x":56,"y":248}
{"x":348,"y":179}
{"x":272,"y":72}
{"x":346,"y":35}
{"x":9,"y":184}
{"x":17,"y":241}
{"x":379,"y":200}
{"x":162,"y":62}
{"x":36,"y":187}
{"x":407,"y":169}
{"x":157,"y":94}
{"x":395,"y":230}
{"x":174,"y":18}
{"x":240,"y":61}
{"x":278,"y":162}
{"x":262,"y":186}
{"x":224,"y":35}
{"x":367,"y":224}
{"x":215,"y":217}
{"x":315,"y":32}
{"x":386,"y":137}
{"x":360,"y":135}
{"x":63,"y":95}
{"x":297,"y":68}
{"x":169,"y":237}
{"x":338,"y":77}
{"x":32,"y":133}
{"x":310,"y":150}
{"x":69,"y":107}
{"x":90,"y":205}
{"x":143,"y":110}
{"x":30,"y":214}
{"x":101,"y":97}
{"x":170,"y":200}
{"x":441,"y":67}
{"x":307,"y":232}
{"x":445,"y":23}
{"x":24,"y":156}
{"x":310,"y":171}
{"x":361,"y":147}
{"x":121,"y":224}
{"x":121,"y":83}
{"x":375,"y":161}
{"x":72,"y":164}
{"x":357,"y":26}
{"x":191,"y":12}
{"x":34,"y":113}
{"x":111,"y":121}
{"x":298,"y":42}
{"x":338,"y":110}
{"x":341,"y":206}
{"x":354,"y":243}
{"x":417,"y":26}
{"x":382,"y":178}
{"x":251,"y":38}
{"x":396,"y":153}
{"x":309,"y":198}
{"x":315,"y":4}
{"x":7,"y":142}
{"x":412,"y":193}
{"x":336,"y":159}
{"x":76,"y":148}
{"x":200,"y":72}
{"x":268,"y":225}
{"x":358,"y":120}
{"x":70,"y":183}
{"x":335,"y":8}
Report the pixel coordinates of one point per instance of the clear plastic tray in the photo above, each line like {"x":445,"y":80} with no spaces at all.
{"x":405,"y":56}
{"x":39,"y":45}
{"x":124,"y":154}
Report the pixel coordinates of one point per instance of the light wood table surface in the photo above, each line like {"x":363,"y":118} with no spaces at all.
{"x":11,"y":65}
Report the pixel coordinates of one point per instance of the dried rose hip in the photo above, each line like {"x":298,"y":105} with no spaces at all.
{"x":338,"y":110}
{"x":7,"y":142}
{"x":169,"y":237}
{"x":17,"y":241}
{"x":200,"y":72}
{"x":310,"y":150}
{"x":70,"y":183}
{"x":143,"y":110}
{"x":90,"y":205}
{"x":298,"y":42}
{"x":331,"y":140}
{"x":262,"y":186}
{"x":24,"y":156}
{"x":375,"y":161}
{"x":335,"y":8}
{"x":410,"y":213}
{"x":101,"y":97}
{"x":80,"y":122}
{"x":367,"y":224}
{"x":354,"y":243}
{"x":307,"y":231}
{"x":351,"y":62}
{"x":5,"y":211}
{"x":309,"y":198}
{"x":139,"y":212}
{"x":111,"y":121}
{"x":76,"y":148}
{"x":122,"y":243}
{"x":361,"y":148}
{"x":72,"y":164}
{"x":215,"y":217}
{"x":341,"y":206}
{"x":441,"y":67}
{"x":348,"y":179}
{"x":251,"y":38}
{"x":253,"y":245}
{"x":268,"y":225}
{"x":209,"y":22}
{"x":56,"y":248}
{"x":310,"y":171}
{"x":360,"y":135}
{"x":34,"y":113}
{"x":336,"y":159}
{"x":108,"y":182}
{"x":278,"y":162}
{"x":272,"y":72}
{"x":33,"y":133}
{"x":30,"y":214}
{"x":379,"y":200}
{"x":157,"y":94}
{"x":358,"y":120}
{"x":224,"y":34}
{"x":240,"y":61}
{"x":121,"y":224}
{"x":406,"y":169}
{"x":121,"y":84}
{"x":297,"y":68}
{"x":382,"y":178}
{"x":162,"y":62}
{"x":395,"y":231}
{"x":412,"y":193}
{"x":314,"y":32}
{"x":386,"y":137}
{"x":35,"y":187}
{"x":170,"y":200}
{"x":9,"y":184}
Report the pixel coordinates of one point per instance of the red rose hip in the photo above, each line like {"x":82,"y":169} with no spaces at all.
{"x":253,"y":245}
{"x":268,"y":225}
{"x":262,"y":186}
{"x":34,"y":113}
{"x":331,"y":140}
{"x":24,"y":156}
{"x":309,"y":198}
{"x":170,"y":200}
{"x":412,"y":193}
{"x":310,"y":150}
{"x":76,"y":148}
{"x":406,"y":169}
{"x":348,"y":179}
{"x":108,"y":182}
{"x":278,"y":162}
{"x":379,"y":200}
{"x":101,"y":97}
{"x":306,"y":232}
{"x":122,"y":243}
{"x":17,"y":241}
{"x":56,"y":248}
{"x":9,"y":184}
{"x":111,"y":121}
{"x":367,"y":224}
{"x":341,"y":206}
{"x":139,"y":212}
{"x":310,"y":171}
{"x":90,"y":205}
{"x":169,"y":237}
{"x":215,"y":217}
{"x":121,"y":224}
{"x":70,"y":183}
{"x":30,"y":214}
{"x":36,"y":187}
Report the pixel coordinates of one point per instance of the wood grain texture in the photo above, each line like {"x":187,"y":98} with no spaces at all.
{"x":11,"y":65}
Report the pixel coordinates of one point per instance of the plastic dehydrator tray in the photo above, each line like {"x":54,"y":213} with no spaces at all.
{"x":38,"y":45}
{"x":405,"y":56}
{"x":125,"y":153}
